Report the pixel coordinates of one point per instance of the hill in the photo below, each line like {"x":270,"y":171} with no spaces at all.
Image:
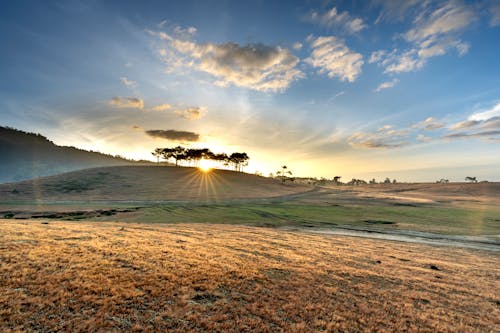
{"x":146,"y":183}
{"x":28,"y":155}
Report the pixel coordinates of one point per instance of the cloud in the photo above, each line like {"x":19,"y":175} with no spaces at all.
{"x":423,"y":138}
{"x":254,"y":66}
{"x":386,"y":85}
{"x":488,"y":134}
{"x":297,"y":46}
{"x":136,"y":127}
{"x":332,"y":18}
{"x":174,"y":135}
{"x":434,"y":32}
{"x":484,"y":115}
{"x":495,"y":14}
{"x":127,"y":102}
{"x":384,"y":137}
{"x":128,"y":83}
{"x":334,"y":58}
{"x":429,"y":124}
{"x":161,"y":107}
{"x":394,"y":9}
{"x":484,"y":124}
{"x":465,"y":124}
{"x":191,"y":113}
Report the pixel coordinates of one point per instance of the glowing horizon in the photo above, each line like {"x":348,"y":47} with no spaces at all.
{"x":407,"y":90}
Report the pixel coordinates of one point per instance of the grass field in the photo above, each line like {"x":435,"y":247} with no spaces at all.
{"x":82,"y":276}
{"x":175,"y":249}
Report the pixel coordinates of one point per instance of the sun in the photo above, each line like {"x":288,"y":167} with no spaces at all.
{"x":205,"y":166}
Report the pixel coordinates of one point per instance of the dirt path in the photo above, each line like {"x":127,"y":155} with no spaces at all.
{"x":488,"y":243}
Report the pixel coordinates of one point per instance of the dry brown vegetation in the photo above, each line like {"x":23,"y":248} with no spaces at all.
{"x":146,"y":183}
{"x":82,"y":276}
{"x":450,"y":193}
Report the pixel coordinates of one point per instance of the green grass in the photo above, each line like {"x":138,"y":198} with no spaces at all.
{"x":446,"y":220}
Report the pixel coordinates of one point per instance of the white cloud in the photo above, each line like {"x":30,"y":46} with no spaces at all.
{"x":128,"y":83}
{"x":435,"y":32}
{"x":254,"y":66}
{"x":127,"y":102}
{"x":483,"y":125}
{"x":334,"y":58}
{"x":161,"y":107}
{"x":386,"y":85}
{"x":445,"y":20}
{"x":297,"y":46}
{"x":487,"y":114}
{"x":332,"y":18}
{"x":192,"y":113}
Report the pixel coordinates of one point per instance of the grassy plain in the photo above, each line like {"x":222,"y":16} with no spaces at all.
{"x":87,"y":276}
{"x":175,"y":249}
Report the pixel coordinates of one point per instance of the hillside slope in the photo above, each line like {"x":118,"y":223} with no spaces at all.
{"x":146,"y":183}
{"x":27,"y":155}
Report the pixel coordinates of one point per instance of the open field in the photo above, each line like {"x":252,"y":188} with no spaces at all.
{"x":83,"y":276}
{"x":186,"y":195}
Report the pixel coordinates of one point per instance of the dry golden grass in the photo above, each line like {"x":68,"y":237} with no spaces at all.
{"x":81,"y":276}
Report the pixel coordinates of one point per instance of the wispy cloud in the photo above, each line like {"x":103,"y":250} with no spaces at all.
{"x":192,"y":113}
{"x":127,"y":102}
{"x":334,"y":58}
{"x":385,"y":137}
{"x":297,"y":46}
{"x":161,"y":107}
{"x":386,"y":85}
{"x":333,"y":18}
{"x":174,"y":135}
{"x":128,"y":83}
{"x":483,"y":124}
{"x":494,"y":10}
{"x":254,"y":66}
{"x":394,"y":9}
{"x":434,"y":32}
{"x":429,"y":124}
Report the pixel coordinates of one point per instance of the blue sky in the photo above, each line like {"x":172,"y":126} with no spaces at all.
{"x":382,"y":88}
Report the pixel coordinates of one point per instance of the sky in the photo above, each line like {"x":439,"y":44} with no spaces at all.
{"x":359,"y":89}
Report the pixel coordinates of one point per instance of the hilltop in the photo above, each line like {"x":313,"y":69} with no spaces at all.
{"x":28,"y":155}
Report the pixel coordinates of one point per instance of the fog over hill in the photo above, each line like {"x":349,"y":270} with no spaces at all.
{"x":26,"y":155}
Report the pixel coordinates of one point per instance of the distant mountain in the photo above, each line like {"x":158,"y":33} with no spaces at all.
{"x":28,"y":155}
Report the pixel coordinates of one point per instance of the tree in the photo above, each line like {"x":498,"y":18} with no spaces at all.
{"x":238,"y":160}
{"x":158,"y":152}
{"x":283,"y":172}
{"x":197,"y":154}
{"x":471,"y":179}
{"x":387,"y":180}
{"x":336,"y":179}
{"x":177,"y":153}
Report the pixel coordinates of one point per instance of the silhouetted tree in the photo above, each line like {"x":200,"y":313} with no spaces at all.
{"x":336,"y":179}
{"x":387,"y":180}
{"x":158,"y":152}
{"x":471,"y":179}
{"x":178,"y":153}
{"x":239,"y":160}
